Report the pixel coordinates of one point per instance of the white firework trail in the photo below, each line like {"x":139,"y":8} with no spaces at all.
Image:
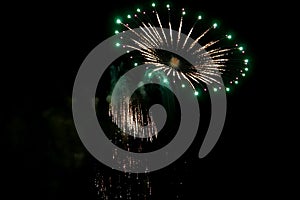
{"x":129,"y":118}
{"x":128,"y":114}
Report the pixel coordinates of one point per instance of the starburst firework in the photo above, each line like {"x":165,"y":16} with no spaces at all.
{"x":214,"y":59}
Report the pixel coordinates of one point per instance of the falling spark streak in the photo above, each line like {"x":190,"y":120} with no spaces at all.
{"x":154,"y":34}
{"x":178,"y":75}
{"x":206,"y":46}
{"x":170,"y":27}
{"x":184,"y":76}
{"x":197,"y":40}
{"x":192,"y":77}
{"x":165,"y":69}
{"x":217,"y":56}
{"x":149,"y":35}
{"x":171,"y":35}
{"x":215,"y":51}
{"x":169,"y":71}
{"x":158,"y":68}
{"x":189,"y":34}
{"x":127,"y":118}
{"x":157,"y":36}
{"x":162,"y":30}
{"x":179,"y":32}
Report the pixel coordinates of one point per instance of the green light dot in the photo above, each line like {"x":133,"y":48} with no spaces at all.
{"x":116,"y":32}
{"x":199,"y":17}
{"x":243,"y":74}
{"x":118,"y":21}
{"x":153,"y":4}
{"x":118,"y":44}
{"x":227,"y":89}
{"x":129,"y":16}
{"x":246,"y":69}
{"x":165,"y":80}
{"x":236,"y":82}
{"x":183,"y":86}
{"x":138,"y":10}
{"x":183,"y":12}
{"x":135,"y":64}
{"x":215,"y":89}
{"x":229,"y":37}
{"x":168,"y":5}
{"x":215,"y":25}
{"x":246,"y":60}
{"x":241,"y":48}
{"x":196,"y":93}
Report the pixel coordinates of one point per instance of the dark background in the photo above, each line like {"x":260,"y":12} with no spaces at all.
{"x":47,"y":44}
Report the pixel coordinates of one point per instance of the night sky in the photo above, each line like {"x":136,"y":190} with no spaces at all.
{"x":45,"y":157}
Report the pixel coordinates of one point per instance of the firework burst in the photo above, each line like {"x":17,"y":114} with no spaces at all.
{"x":217,"y":58}
{"x":214,"y":59}
{"x":220,"y":63}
